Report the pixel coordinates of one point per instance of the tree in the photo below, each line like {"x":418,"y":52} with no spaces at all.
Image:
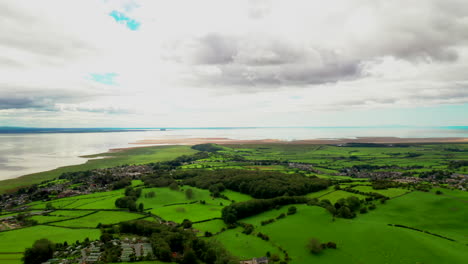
{"x":187,"y":223}
{"x":41,"y":251}
{"x":189,"y":257}
{"x":292,"y":210}
{"x":174,"y":186}
{"x":314,"y":246}
{"x":49,"y":206}
{"x":141,"y":207}
{"x":189,"y":194}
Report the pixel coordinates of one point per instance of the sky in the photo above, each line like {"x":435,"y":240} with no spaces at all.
{"x":213,"y":63}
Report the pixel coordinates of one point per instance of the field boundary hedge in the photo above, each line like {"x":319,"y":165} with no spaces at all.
{"x":423,"y":231}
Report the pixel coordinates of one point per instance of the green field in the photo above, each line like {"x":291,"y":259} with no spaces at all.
{"x":371,"y":237}
{"x":194,"y":212}
{"x":126,"y":156}
{"x":359,"y":240}
{"x":103,"y":217}
{"x":392,"y":192}
{"x":59,"y":216}
{"x":25,"y":237}
{"x":333,"y":196}
{"x":99,"y":200}
{"x":165,"y":196}
{"x":245,"y":246}
{"x":213,"y":226}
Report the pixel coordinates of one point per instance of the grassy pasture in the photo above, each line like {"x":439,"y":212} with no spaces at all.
{"x":11,"y":258}
{"x":213,"y":226}
{"x":58,"y":216}
{"x":103,"y":217}
{"x":245,"y":246}
{"x":392,"y":192}
{"x":334,"y":196}
{"x":99,"y":200}
{"x":438,"y":214}
{"x":126,"y":156}
{"x":25,"y":237}
{"x":165,"y":196}
{"x":194,"y":212}
{"x":358,"y":240}
{"x":331,"y":159}
{"x":236,"y":196}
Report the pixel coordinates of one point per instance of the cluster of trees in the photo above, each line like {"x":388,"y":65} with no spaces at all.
{"x":258,"y":184}
{"x":209,"y":147}
{"x":177,"y":162}
{"x":129,"y":200}
{"x":316,"y":247}
{"x":436,"y":174}
{"x":456,"y":164}
{"x":384,"y":184}
{"x":167,"y":240}
{"x":41,"y":251}
{"x":236,"y":211}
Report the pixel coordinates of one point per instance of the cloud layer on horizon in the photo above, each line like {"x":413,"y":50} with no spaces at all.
{"x":209,"y":62}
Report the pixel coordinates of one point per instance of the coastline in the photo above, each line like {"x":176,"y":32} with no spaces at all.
{"x":227,"y":141}
{"x":184,"y":143}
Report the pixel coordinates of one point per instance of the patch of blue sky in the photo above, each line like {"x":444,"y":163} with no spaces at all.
{"x":106,"y":78}
{"x":122,"y":18}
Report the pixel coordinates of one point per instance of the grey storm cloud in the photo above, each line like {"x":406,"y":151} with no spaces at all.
{"x":269,"y":61}
{"x":421,"y":32}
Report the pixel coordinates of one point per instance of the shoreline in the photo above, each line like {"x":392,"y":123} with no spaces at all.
{"x":228,"y":141}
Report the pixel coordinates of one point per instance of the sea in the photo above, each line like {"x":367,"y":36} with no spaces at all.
{"x":29,"y":150}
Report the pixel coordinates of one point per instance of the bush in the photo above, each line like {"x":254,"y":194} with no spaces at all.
{"x":314,"y":246}
{"x":292,"y":210}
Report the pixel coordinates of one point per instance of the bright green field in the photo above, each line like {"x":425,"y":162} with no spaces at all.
{"x":426,"y":211}
{"x":103,"y":217}
{"x":236,"y":196}
{"x":213,"y":226}
{"x":392,"y":192}
{"x":11,"y":258}
{"x":127,"y":156}
{"x":25,"y":237}
{"x":58,"y":216}
{"x":359,"y":240}
{"x":165,"y":196}
{"x":245,"y":246}
{"x":193,"y":212}
{"x":335,"y":195}
{"x":99,"y":200}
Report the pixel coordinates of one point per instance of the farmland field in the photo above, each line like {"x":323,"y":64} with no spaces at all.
{"x":421,"y":222}
{"x":103,"y":217}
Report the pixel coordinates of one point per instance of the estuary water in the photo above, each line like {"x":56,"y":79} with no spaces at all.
{"x":29,"y":152}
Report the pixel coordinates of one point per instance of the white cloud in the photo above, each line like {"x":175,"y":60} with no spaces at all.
{"x":212,"y":62}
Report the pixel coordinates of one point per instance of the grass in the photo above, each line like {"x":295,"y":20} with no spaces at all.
{"x":58,"y":216}
{"x":103,"y":217}
{"x":359,"y":240}
{"x":165,"y":196}
{"x":193,"y":212}
{"x":236,"y":196}
{"x":11,"y":258}
{"x":245,"y":246}
{"x":99,"y":200}
{"x":25,"y":237}
{"x":438,"y":214}
{"x":112,"y":159}
{"x":334,"y":196}
{"x":213,"y":226}
{"x":392,"y":192}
